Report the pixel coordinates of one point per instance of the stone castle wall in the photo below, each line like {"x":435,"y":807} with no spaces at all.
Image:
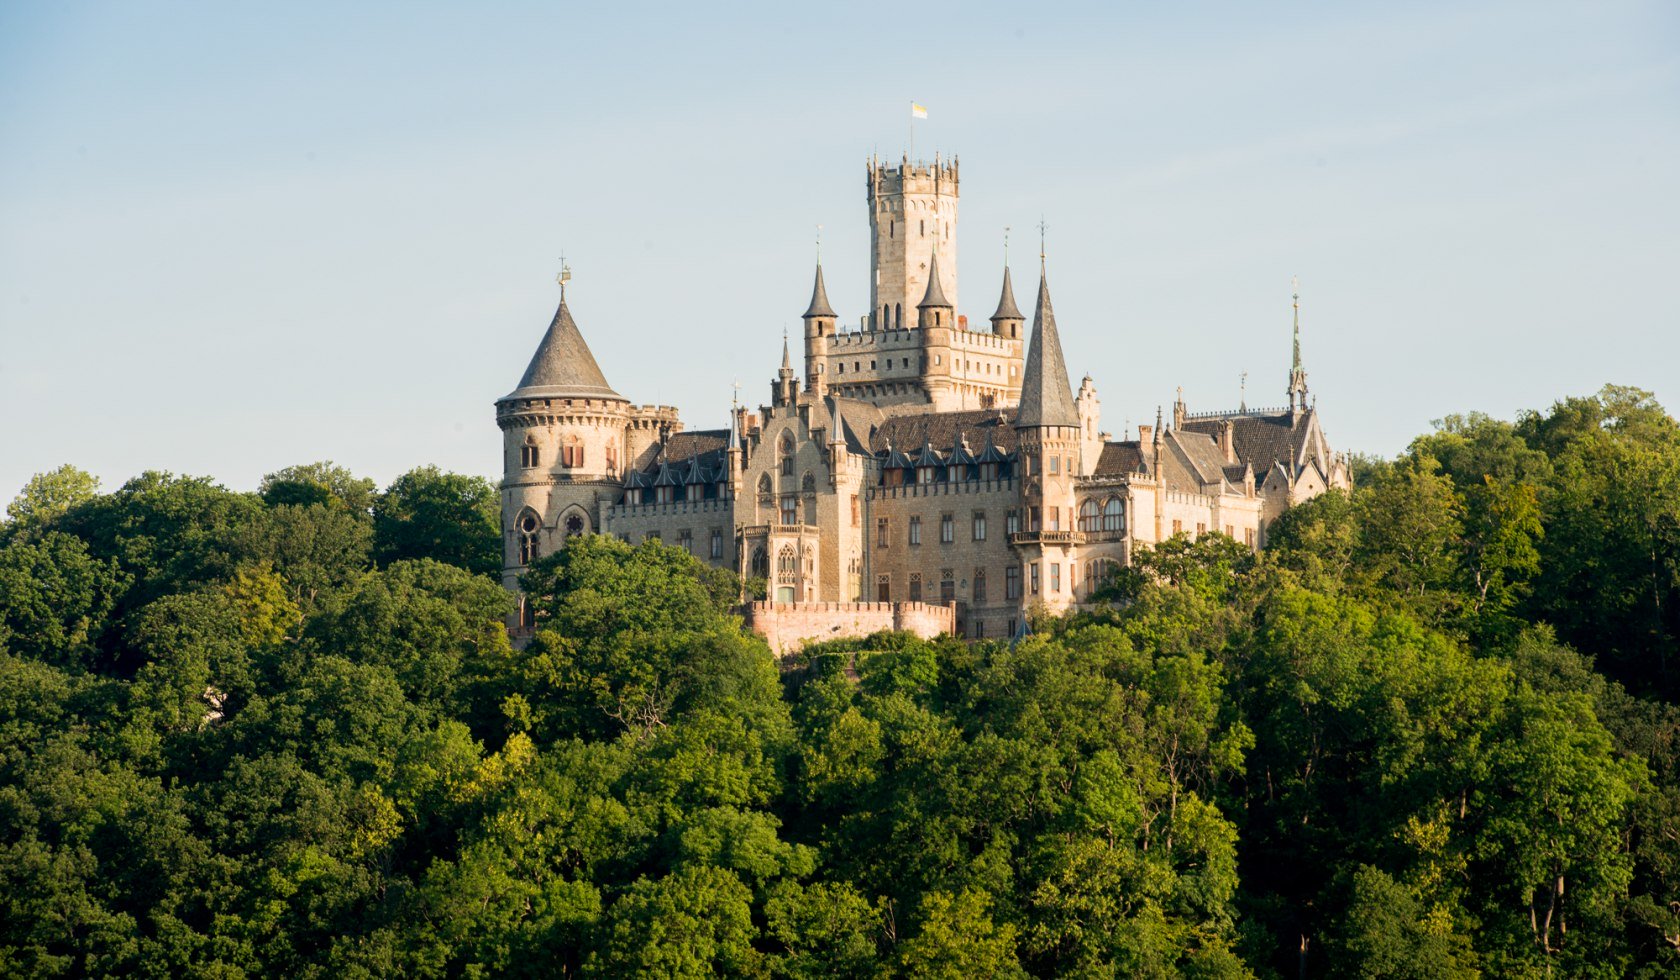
{"x":789,"y":625}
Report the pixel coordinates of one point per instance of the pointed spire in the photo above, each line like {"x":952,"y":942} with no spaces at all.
{"x":1006,"y":308}
{"x":838,"y":435}
{"x":1297,"y":376}
{"x":819,"y":298}
{"x":1046,"y":396}
{"x":787,"y":360}
{"x":563,"y":366}
{"x":935,"y":295}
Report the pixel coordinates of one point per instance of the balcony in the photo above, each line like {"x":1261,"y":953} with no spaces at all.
{"x":1046,"y":537}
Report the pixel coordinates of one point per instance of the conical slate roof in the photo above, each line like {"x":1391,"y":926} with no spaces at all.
{"x":1046,"y":396}
{"x":563,"y":367}
{"x":935,"y":295}
{"x":819,"y":299}
{"x":1007,"y":310}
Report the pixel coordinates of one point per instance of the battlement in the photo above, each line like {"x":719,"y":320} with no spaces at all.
{"x":788,"y":626}
{"x":886,"y":175}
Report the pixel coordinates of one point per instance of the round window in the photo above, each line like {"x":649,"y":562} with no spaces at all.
{"x":574,"y":525}
{"x":528,"y":523}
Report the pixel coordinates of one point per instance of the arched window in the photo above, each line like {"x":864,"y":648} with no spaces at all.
{"x":529,"y":528}
{"x":574,"y":525}
{"x":760,"y":563}
{"x":809,"y":484}
{"x":1089,"y":517}
{"x":1114,"y":514}
{"x":529,"y":454}
{"x":787,"y":454}
{"x":898,"y":315}
{"x":787,"y":564}
{"x":571,"y":454}
{"x":764,"y":485}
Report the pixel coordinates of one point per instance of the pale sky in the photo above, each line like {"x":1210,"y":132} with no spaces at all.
{"x":235,"y":239}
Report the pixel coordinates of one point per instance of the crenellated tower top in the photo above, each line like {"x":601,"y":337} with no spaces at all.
{"x":912,"y":209}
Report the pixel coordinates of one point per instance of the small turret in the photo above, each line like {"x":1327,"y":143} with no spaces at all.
{"x":934,"y":310}
{"x":1007,"y":321}
{"x":819,"y":326}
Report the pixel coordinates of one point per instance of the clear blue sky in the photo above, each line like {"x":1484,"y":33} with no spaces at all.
{"x":233,"y":238}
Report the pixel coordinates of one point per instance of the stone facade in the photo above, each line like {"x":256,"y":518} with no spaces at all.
{"x":920,"y":472}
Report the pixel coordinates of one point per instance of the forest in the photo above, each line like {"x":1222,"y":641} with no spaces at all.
{"x":1432,"y":730}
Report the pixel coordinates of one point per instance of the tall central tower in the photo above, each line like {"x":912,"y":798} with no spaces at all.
{"x":912,"y":212}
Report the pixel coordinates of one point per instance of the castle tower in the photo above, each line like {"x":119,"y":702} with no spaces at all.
{"x":820,"y":322}
{"x":1048,"y":432}
{"x":563,"y":441}
{"x":912,"y":208}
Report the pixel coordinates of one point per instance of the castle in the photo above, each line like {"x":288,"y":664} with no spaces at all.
{"x":920,"y":472}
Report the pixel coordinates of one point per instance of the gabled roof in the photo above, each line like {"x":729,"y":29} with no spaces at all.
{"x":1120,"y":459}
{"x":1046,"y":396}
{"x":1262,"y":439}
{"x":563,"y":366}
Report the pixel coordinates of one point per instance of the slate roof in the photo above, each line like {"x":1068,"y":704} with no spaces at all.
{"x":1120,"y":459}
{"x":563,"y":366}
{"x":819,"y":299}
{"x":935,"y":295}
{"x":1046,"y":396}
{"x":1201,"y":455}
{"x":1006,"y":308}
{"x":1261,"y":439}
{"x":912,"y":432}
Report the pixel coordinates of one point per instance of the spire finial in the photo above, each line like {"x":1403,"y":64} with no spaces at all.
{"x":1006,"y":246}
{"x":564,"y":277}
{"x":819,"y":244}
{"x":1297,"y":376}
{"x":1242,"y":392}
{"x":1042,"y":228}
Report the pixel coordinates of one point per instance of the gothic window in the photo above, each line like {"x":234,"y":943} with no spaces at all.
{"x":947,"y":587}
{"x":881,"y":532}
{"x":1114,"y":514}
{"x":1090,"y":517}
{"x":571,"y":454}
{"x":717,"y":544}
{"x":883,"y":588}
{"x":787,"y":454}
{"x":809,"y":484}
{"x":979,"y":586}
{"x":915,"y":586}
{"x":685,"y":540}
{"x":764,"y":485}
{"x":898,"y":314}
{"x":760,"y":563}
{"x":947,"y":529}
{"x":790,"y":509}
{"x":787,"y":564}
{"x":916,"y":530}
{"x":574,"y":525}
{"x":527,"y":613}
{"x":529,"y":527}
{"x":979,"y":530}
{"x":1012,"y":521}
{"x":529,"y":454}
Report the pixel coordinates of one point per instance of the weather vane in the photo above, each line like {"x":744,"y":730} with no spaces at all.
{"x":1042,"y":228}
{"x":565,"y":275}
{"x":819,"y":244}
{"x":1006,"y":245}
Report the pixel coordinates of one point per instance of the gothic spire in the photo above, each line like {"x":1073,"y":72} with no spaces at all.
{"x":1297,"y":376}
{"x":787,"y":360}
{"x":819,"y":299}
{"x":1046,"y":396}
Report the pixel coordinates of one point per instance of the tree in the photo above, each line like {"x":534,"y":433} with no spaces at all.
{"x":56,"y":600}
{"x":447,"y":517}
{"x":322,"y":483}
{"x":44,"y":499}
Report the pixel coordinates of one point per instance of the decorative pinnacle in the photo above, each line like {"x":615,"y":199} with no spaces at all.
{"x":819,"y":244}
{"x":1042,"y":228}
{"x":1006,"y":246}
{"x":1295,"y":298}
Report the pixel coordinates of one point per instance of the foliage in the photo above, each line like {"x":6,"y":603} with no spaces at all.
{"x":1431,"y":731}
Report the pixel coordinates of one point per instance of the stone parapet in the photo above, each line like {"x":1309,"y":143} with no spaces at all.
{"x":788,"y":626}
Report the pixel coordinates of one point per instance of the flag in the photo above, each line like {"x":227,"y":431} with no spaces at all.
{"x":918,"y":111}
